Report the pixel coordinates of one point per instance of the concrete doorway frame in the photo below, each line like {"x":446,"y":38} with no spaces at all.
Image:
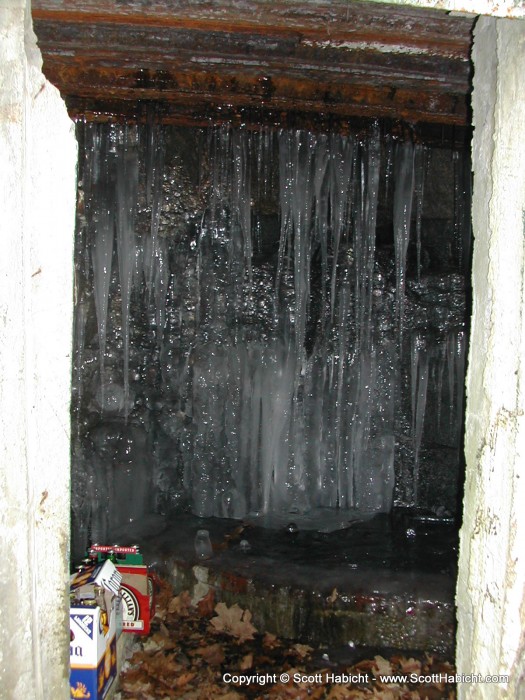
{"x":37,"y":197}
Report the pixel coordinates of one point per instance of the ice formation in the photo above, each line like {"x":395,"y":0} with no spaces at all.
{"x":258,"y":367}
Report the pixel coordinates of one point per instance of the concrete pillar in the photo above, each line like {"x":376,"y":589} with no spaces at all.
{"x":37,"y":201}
{"x":491,"y":583}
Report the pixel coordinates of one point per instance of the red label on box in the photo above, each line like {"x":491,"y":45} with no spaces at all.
{"x":137,"y":599}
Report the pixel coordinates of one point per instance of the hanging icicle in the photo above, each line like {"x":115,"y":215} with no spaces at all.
{"x":126,"y":205}
{"x":419,"y":386}
{"x":403,"y":193}
{"x":102,"y":225}
{"x":421,"y":164}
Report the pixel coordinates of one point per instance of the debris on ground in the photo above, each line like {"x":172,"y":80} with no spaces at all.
{"x":213,"y":651}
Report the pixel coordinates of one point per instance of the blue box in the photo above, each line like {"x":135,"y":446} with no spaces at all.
{"x":93,"y":639}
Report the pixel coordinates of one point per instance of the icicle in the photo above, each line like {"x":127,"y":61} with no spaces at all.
{"x":81,"y":316}
{"x":285,"y":185}
{"x":342,"y":153}
{"x":442,"y":352}
{"x":102,"y":251}
{"x":242,"y":194}
{"x":451,"y":369}
{"x":301,"y":203}
{"x":160,"y":287}
{"x":344,"y":490}
{"x":389,"y":160}
{"x":364,"y":240}
{"x":127,"y":197}
{"x":363,"y":372}
{"x":297,"y":154}
{"x":277,"y":395}
{"x":421,"y":162}
{"x":154,"y":178}
{"x":460,"y":382}
{"x":462,"y":218}
{"x":419,"y":385}
{"x":404,"y":188}
{"x":321,"y":194}
{"x":455,"y":351}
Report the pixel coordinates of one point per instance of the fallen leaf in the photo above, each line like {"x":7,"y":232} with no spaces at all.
{"x":246,"y":662}
{"x":386,"y":694}
{"x":233,"y":621}
{"x":409,"y":665}
{"x":183,"y":679}
{"x":383,"y":666}
{"x":151,"y":646}
{"x":270,"y":641}
{"x":180,"y":604}
{"x":213,"y":654}
{"x":301,"y":650}
{"x":206,"y":605}
{"x":366,"y":665}
{"x":345,"y":692}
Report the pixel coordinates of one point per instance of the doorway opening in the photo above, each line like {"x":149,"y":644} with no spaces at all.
{"x":302,"y":315}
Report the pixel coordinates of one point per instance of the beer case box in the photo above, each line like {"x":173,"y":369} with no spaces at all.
{"x":93,"y":639}
{"x":137,"y":598}
{"x":137,"y":590}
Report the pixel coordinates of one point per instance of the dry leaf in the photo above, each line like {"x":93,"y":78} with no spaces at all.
{"x":429,"y":658}
{"x":183,"y":679}
{"x":301,"y":650}
{"x":138,"y":687}
{"x":366,"y":665}
{"x":213,"y":654}
{"x":180,"y":604}
{"x":246,"y":662}
{"x":152,"y":645}
{"x":387,"y":694}
{"x":233,"y":621}
{"x":409,"y":665}
{"x":270,"y":641}
{"x":383,"y":666}
{"x":290,"y":691}
{"x":206,"y":605}
{"x":345,"y":692}
{"x":163,"y":596}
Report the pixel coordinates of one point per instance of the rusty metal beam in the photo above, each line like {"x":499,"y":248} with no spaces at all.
{"x":330,"y":60}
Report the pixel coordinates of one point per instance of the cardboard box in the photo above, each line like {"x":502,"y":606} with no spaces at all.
{"x":94,"y":619}
{"x":137,"y":590}
{"x":137,"y":599}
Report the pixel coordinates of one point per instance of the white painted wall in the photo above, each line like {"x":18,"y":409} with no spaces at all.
{"x":497,"y":8}
{"x":37,"y":200}
{"x":491,"y":583}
